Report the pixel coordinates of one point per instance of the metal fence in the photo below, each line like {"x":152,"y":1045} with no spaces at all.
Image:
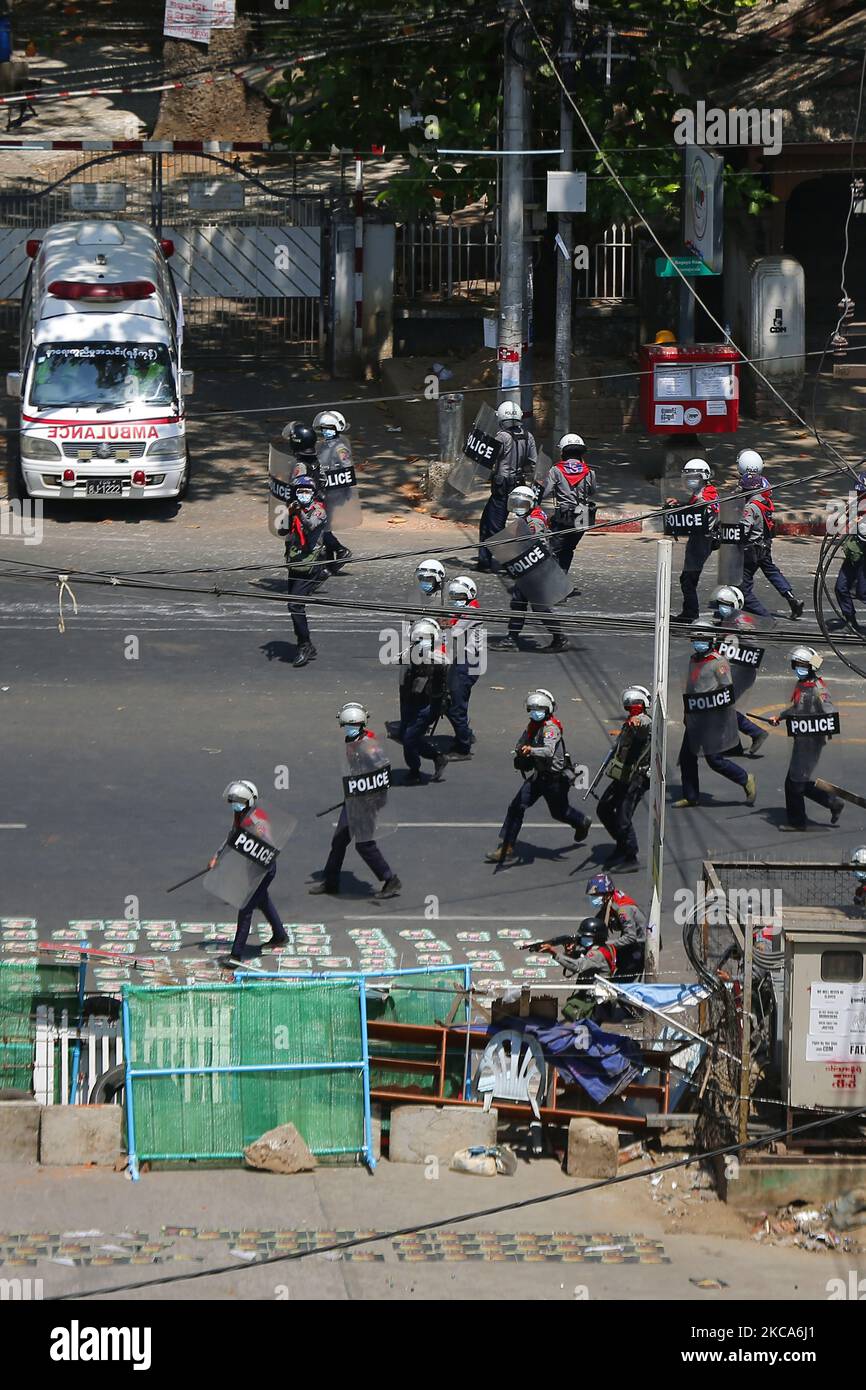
{"x":249,"y":251}
{"x":446,"y":260}
{"x":610,"y":274}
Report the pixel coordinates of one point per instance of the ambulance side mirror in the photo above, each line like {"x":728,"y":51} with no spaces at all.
{"x":187,"y":383}
{"x":13,"y":384}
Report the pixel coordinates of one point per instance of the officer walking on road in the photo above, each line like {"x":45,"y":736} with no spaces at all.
{"x":628,"y":770}
{"x":242,"y":797}
{"x":700,"y":544}
{"x":741,"y":652}
{"x":305,"y":559}
{"x":361,"y":805}
{"x":851,"y":579}
{"x":514,"y":466}
{"x":709,"y":718}
{"x":305,"y":447}
{"x":521,"y":504}
{"x":759,"y":522}
{"x":570,"y":488}
{"x":811,"y":711}
{"x":541,"y":756}
{"x":430,"y":576}
{"x":333,"y":452}
{"x":424,"y":699}
{"x":466,"y":637}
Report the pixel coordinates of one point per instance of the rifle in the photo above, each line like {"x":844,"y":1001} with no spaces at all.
{"x":594,"y":783}
{"x":551,"y":941}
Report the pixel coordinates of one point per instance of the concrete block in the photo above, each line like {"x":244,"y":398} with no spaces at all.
{"x":422,"y":1131}
{"x":280,"y":1150}
{"x":19,"y":1131}
{"x":593,"y":1150}
{"x":768,"y":1183}
{"x":81,"y":1134}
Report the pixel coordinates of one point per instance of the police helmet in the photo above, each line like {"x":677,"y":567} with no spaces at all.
{"x":636,"y":695}
{"x":463,"y":587}
{"x":749,"y":461}
{"x":244,"y":791}
{"x":806,"y":656}
{"x":541,"y":699}
{"x":571,"y":446}
{"x":592,"y":932}
{"x":352,"y":713}
{"x":302,"y":439}
{"x":304,"y":484}
{"x":431,"y":569}
{"x":328,"y":422}
{"x":697,"y":468}
{"x":425,"y":630}
{"x":729,"y":594}
{"x":521,"y":500}
{"x":508,"y":412}
{"x":600,"y":885}
{"x":858,"y":863}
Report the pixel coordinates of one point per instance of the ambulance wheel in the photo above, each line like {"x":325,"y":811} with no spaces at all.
{"x":184,"y":486}
{"x":108,"y":1085}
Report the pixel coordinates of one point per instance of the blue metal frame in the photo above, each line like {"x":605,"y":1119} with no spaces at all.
{"x":76,"y":1051}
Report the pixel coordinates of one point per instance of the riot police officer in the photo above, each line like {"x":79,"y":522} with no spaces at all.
{"x":709,"y":718}
{"x":242,"y":796}
{"x":625,"y":923}
{"x":466,"y":636}
{"x":521,"y":504}
{"x":333,"y":451}
{"x":305,"y":446}
{"x":628,"y":770}
{"x":851,"y":579}
{"x":570,"y":488}
{"x":759,"y":522}
{"x":742,"y":654}
{"x":305,"y":559}
{"x":810,"y":704}
{"x":430,"y":577}
{"x":424,"y":699}
{"x":514,"y":465}
{"x":700,"y":544}
{"x":358,"y":818}
{"x":541,"y":756}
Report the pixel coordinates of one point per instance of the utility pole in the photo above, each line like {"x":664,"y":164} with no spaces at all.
{"x":512,"y":274}
{"x":564,"y":258}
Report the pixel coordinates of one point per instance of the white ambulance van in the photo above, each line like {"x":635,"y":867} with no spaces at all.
{"x":101,"y":381}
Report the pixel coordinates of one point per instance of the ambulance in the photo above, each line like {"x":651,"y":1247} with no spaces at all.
{"x":101,"y":383}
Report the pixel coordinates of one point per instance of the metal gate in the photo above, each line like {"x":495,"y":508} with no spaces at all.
{"x":249,"y":250}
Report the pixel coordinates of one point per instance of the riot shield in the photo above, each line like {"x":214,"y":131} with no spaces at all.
{"x":281,"y":466}
{"x":543,"y":465}
{"x":742,"y":653}
{"x":481,"y":450}
{"x":816,"y":720}
{"x":340,"y":484}
{"x":526,"y":558}
{"x":247,"y":855}
{"x":366,"y":780}
{"x":731,"y":532}
{"x":709,"y":707}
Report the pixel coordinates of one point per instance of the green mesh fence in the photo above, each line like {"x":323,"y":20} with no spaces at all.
{"x":23,"y":985}
{"x":422,"y":999}
{"x":215,"y":1115}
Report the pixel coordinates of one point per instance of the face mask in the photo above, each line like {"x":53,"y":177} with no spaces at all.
{"x":860,"y":875}
{"x":238,"y":805}
{"x":329,"y":433}
{"x":725,"y":610}
{"x":586,"y":942}
{"x":521,"y":511}
{"x":700,"y":648}
{"x":304,"y":498}
{"x":536,"y":715}
{"x":458,"y":602}
{"x":635,"y":709}
{"x":352,"y":731}
{"x":427,"y":586}
{"x":801,"y":672}
{"x":596,"y":899}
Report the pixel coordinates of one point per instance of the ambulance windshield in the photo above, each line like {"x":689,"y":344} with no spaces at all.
{"x":105,"y":375}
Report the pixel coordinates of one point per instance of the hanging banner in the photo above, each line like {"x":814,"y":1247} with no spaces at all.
{"x":193,"y":20}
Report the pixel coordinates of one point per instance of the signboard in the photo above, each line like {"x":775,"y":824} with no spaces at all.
{"x":703,"y":206}
{"x":692,"y":389}
{"x":215,"y":195}
{"x":97,"y":197}
{"x":837,"y":1023}
{"x":666,"y":267}
{"x":193,"y":20}
{"x":810,"y":726}
{"x":566,"y":192}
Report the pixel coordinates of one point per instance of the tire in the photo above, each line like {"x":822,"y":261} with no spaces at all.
{"x":107,"y":1085}
{"x":14,"y":477}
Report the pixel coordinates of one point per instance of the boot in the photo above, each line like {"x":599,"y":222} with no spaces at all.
{"x":683,"y":802}
{"x":558,"y":644}
{"x":277,"y":941}
{"x":796,"y":604}
{"x":758,"y":742}
{"x":440,"y":762}
{"x":502,"y":854}
{"x":837,"y":806}
{"x":751,"y":789}
{"x":459,"y":755}
{"x":582,"y":831}
{"x":390,"y":888}
{"x":306,"y":652}
{"x":325,"y":886}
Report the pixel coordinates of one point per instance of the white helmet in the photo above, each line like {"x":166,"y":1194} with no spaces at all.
{"x":508,"y":410}
{"x":462,"y":588}
{"x":636,"y":695}
{"x":698,"y":468}
{"x":521,"y":497}
{"x":749,"y":461}
{"x":858,"y":858}
{"x":352,"y":713}
{"x":571,"y":441}
{"x":329,"y":420}
{"x":425,"y":630}
{"x":729,"y":594}
{"x":540,"y":699}
{"x":806,"y":656}
{"x":244,"y":791}
{"x":431,"y":569}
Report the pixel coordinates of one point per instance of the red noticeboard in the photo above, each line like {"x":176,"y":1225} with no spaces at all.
{"x":689,"y":390}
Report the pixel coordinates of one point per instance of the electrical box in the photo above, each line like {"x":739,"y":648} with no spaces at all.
{"x":777,"y":316}
{"x":689,"y":390}
{"x":825,"y":1016}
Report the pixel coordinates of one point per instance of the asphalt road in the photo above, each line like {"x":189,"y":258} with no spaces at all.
{"x":117,"y":750}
